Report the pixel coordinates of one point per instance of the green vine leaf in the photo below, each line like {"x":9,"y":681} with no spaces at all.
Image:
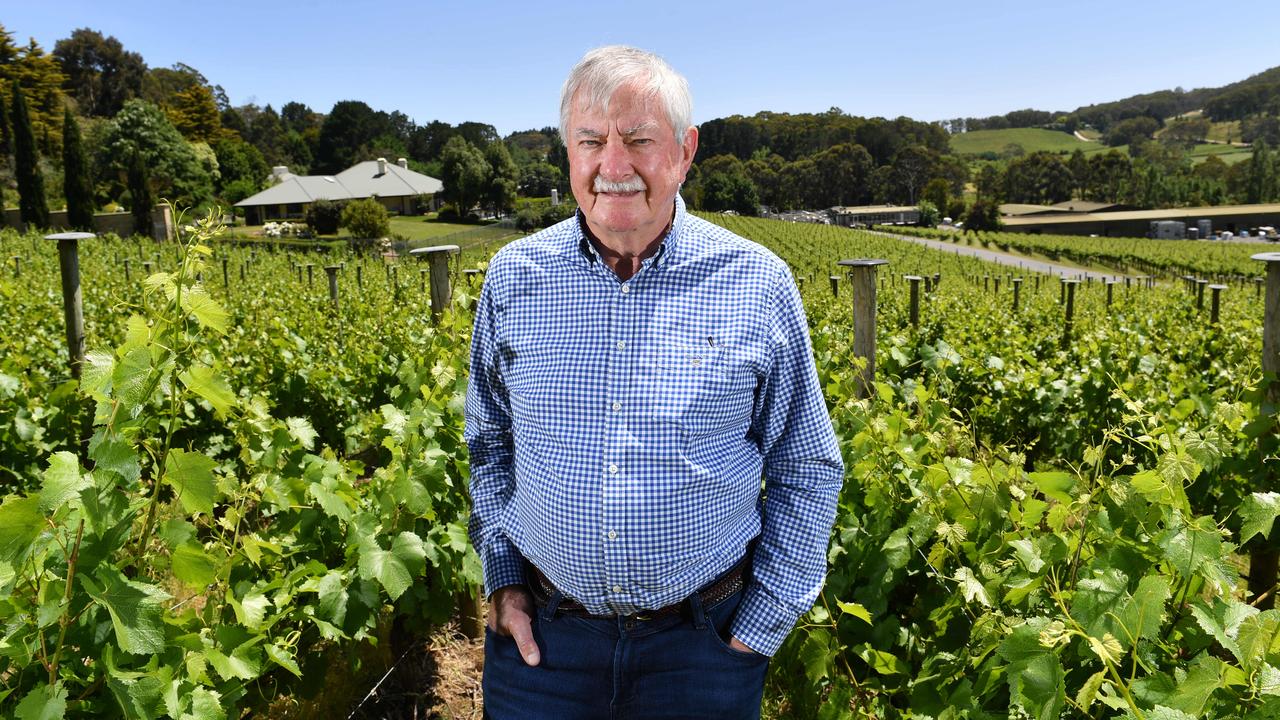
{"x":136,"y":610}
{"x":62,"y":481}
{"x":191,"y":475}
{"x":208,"y":384}
{"x":45,"y":702}
{"x":1258,"y":514}
{"x":300,"y":429}
{"x":193,"y":566}
{"x":206,"y":704}
{"x":21,"y":522}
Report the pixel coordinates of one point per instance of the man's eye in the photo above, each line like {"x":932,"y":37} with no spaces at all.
{"x":641,"y":141}
{"x":590,"y":143}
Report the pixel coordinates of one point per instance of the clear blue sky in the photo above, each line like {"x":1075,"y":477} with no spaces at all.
{"x":503,"y":62}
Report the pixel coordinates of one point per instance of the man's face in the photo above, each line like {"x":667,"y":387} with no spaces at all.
{"x":625,"y":165}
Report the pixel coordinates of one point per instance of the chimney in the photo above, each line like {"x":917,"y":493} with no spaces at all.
{"x":403,"y":163}
{"x":382,"y":166}
{"x":279,"y":173}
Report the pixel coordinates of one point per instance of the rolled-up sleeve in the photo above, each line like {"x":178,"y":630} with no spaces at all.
{"x":488,"y":437}
{"x":803,"y":474}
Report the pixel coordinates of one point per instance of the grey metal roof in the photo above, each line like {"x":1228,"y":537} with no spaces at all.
{"x":870,"y":209}
{"x":363,"y":180}
{"x":358,"y":181}
{"x":1164,"y":214}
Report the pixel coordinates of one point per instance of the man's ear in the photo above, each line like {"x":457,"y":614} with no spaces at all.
{"x":688,"y":149}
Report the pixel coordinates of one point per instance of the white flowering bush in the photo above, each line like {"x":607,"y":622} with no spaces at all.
{"x":282,"y":229}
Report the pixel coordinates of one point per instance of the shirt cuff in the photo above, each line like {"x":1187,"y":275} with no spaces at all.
{"x":761,"y":622}
{"x":502,"y":563}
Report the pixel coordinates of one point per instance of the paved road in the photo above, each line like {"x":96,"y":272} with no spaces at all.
{"x":996,"y":256}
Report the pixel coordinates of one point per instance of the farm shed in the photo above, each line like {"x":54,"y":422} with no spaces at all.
{"x":1137,"y":223}
{"x":863,"y":215}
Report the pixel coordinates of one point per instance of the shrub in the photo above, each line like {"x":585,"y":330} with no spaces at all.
{"x":366,"y":219}
{"x":323,"y":216}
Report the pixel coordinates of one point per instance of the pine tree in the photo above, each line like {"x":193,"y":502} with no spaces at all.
{"x":6,"y":134}
{"x":6,"y":149}
{"x":140,"y":194}
{"x":76,"y":182}
{"x":33,"y":206}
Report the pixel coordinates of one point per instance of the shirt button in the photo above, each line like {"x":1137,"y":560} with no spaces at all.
{"x":621,"y":344}
{"x":613,"y":535}
{"x":617,"y":588}
{"x":617,"y":406}
{"x":626,"y":289}
{"x":613,"y":469}
{"x":697,"y":362}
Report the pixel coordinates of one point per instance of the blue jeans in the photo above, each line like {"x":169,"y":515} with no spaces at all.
{"x":679,"y":666}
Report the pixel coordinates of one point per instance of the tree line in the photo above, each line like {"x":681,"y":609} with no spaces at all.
{"x":91,"y":126}
{"x":146,"y":132}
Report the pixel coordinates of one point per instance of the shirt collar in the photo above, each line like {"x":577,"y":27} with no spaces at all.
{"x":666,"y":249}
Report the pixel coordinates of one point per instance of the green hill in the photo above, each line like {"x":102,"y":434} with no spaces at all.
{"x":1031,"y":140}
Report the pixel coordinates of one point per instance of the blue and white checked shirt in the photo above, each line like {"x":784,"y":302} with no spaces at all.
{"x":619,"y":431}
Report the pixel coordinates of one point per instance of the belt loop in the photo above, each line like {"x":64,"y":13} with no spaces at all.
{"x":548,"y":611}
{"x":699,"y":614}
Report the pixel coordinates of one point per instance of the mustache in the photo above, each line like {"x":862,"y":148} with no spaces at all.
{"x":635,"y":184}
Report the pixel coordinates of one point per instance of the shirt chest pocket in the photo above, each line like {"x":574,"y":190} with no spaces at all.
{"x":699,"y":386}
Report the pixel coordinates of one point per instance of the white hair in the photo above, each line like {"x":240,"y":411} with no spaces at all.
{"x":603,"y":71}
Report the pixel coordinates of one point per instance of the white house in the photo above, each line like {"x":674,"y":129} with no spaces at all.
{"x":395,"y":186}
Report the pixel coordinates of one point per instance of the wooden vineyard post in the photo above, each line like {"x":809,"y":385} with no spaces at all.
{"x":997,"y":288}
{"x":1263,"y":554}
{"x":1062,"y":290}
{"x":864,"y":318}
{"x":1070,"y":287}
{"x":1110,"y":287}
{"x":835,"y":286}
{"x":225,"y":282}
{"x":146,"y":267}
{"x":17,"y":266}
{"x":360,"y":276}
{"x":73,"y":311}
{"x":310,"y":266}
{"x":472,"y":273}
{"x":332,"y":272}
{"x":1017,"y":288}
{"x":438,"y":261}
{"x":915,"y":298}
{"x":422,"y":280}
{"x":1037,"y":283}
{"x":126,"y":271}
{"x":1214,"y":303}
{"x":470,"y":618}
{"x":1200,"y":285}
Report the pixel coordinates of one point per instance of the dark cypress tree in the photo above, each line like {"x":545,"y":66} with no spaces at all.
{"x":6,"y":136}
{"x":33,"y":206}
{"x":140,"y":194}
{"x":76,"y":183}
{"x":5,"y":152}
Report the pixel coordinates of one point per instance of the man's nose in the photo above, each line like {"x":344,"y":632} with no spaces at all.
{"x":615,"y":164}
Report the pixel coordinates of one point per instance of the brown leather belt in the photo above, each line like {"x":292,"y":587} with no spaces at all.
{"x":727,"y":584}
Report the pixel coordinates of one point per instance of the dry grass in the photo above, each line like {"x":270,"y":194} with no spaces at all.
{"x":459,"y":662}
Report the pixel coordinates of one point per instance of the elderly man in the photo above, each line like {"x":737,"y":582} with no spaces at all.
{"x":653,"y":470}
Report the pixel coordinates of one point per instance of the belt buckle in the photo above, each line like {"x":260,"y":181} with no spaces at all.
{"x":642,"y":617}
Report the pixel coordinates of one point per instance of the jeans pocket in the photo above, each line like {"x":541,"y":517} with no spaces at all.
{"x":720,"y":630}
